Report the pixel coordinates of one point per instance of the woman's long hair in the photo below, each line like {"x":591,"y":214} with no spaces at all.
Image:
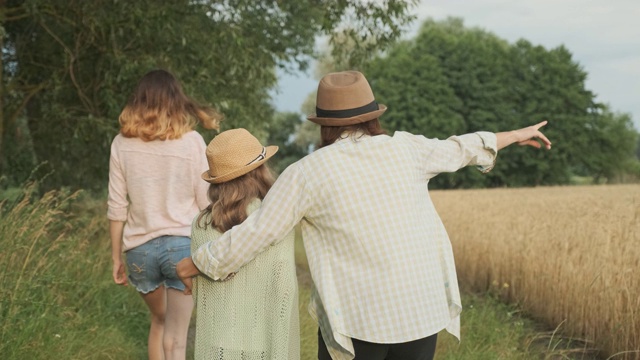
{"x":229,"y":200}
{"x":329,"y":134}
{"x":158,"y":109}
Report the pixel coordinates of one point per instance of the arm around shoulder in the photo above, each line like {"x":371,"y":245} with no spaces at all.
{"x":281,"y":210}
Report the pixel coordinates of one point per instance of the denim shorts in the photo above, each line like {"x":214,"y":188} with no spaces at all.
{"x":153,"y":263}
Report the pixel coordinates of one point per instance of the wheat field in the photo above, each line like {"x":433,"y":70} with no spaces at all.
{"x":568,"y":256}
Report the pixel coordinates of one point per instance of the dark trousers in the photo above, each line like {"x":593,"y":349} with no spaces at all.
{"x":421,"y":349}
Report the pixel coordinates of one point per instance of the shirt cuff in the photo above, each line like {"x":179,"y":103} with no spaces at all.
{"x":117,"y":214}
{"x":205,"y":262}
{"x":490,"y":143}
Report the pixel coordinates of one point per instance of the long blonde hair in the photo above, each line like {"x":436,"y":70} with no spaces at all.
{"x":158,"y":109}
{"x":229,"y":200}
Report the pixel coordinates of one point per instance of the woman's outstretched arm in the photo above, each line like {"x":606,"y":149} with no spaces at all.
{"x":530,"y":136}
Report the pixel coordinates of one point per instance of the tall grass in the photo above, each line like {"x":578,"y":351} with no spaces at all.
{"x":56,"y":297}
{"x":58,"y":301}
{"x":570,"y":256}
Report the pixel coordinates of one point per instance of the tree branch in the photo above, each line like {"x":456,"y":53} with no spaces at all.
{"x":12,"y":14}
{"x":14,"y":116}
{"x":72,"y":58}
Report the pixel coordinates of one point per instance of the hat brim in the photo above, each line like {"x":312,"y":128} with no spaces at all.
{"x":348,"y":121}
{"x":269,"y":150}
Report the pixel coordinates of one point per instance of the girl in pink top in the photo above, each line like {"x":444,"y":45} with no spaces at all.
{"x":155,"y":191}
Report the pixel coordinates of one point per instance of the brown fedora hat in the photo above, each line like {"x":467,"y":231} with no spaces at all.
{"x":345,"y":98}
{"x":234,"y":153}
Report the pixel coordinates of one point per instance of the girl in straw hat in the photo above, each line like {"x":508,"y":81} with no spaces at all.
{"x":154,"y":193}
{"x":255,"y":315}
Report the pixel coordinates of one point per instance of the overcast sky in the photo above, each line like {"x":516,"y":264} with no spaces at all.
{"x":602,"y":35}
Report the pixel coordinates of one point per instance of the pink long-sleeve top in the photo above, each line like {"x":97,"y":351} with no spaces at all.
{"x":155,"y":186}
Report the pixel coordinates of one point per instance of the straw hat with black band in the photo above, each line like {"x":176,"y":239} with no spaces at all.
{"x":345,"y":98}
{"x":234,"y":153}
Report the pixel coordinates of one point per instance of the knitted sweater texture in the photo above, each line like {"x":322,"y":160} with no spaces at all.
{"x":254,"y":315}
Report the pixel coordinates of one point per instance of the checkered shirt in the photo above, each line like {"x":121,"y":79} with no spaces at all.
{"x":379,"y":255}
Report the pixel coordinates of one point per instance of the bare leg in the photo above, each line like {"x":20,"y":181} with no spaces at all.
{"x":157,"y":303}
{"x":179,"y":309}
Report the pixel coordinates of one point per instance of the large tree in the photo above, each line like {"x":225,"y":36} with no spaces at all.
{"x":451,"y":79}
{"x":69,"y":65}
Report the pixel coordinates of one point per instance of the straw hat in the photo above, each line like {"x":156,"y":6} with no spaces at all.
{"x":234,"y":153}
{"x":345,"y":98}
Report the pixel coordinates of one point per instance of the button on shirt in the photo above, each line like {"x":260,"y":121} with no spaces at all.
{"x":379,"y":255}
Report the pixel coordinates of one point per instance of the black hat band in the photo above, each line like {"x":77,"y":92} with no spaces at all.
{"x":347,"y":113}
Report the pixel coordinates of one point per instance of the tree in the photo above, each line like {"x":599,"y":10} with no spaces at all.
{"x":70,"y":64}
{"x":452,"y":80}
{"x":614,"y":138}
{"x":448,"y":80}
{"x":281,"y":131}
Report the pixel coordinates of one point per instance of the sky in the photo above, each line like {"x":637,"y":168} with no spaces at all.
{"x":602,"y":35}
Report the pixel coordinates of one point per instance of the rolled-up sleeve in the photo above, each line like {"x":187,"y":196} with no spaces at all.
{"x":486,"y":159}
{"x":476,"y":149}
{"x":282,"y":208}
{"x":117,"y":203}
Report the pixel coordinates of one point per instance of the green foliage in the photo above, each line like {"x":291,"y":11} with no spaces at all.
{"x":609,"y":142}
{"x":69,"y":65}
{"x":280,"y":131}
{"x":19,"y":159}
{"x":56,"y":292}
{"x":453,"y":80}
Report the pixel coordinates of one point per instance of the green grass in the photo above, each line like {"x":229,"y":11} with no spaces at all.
{"x":58,"y":301}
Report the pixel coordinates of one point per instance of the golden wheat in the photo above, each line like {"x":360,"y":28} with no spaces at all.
{"x":569,"y":256}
